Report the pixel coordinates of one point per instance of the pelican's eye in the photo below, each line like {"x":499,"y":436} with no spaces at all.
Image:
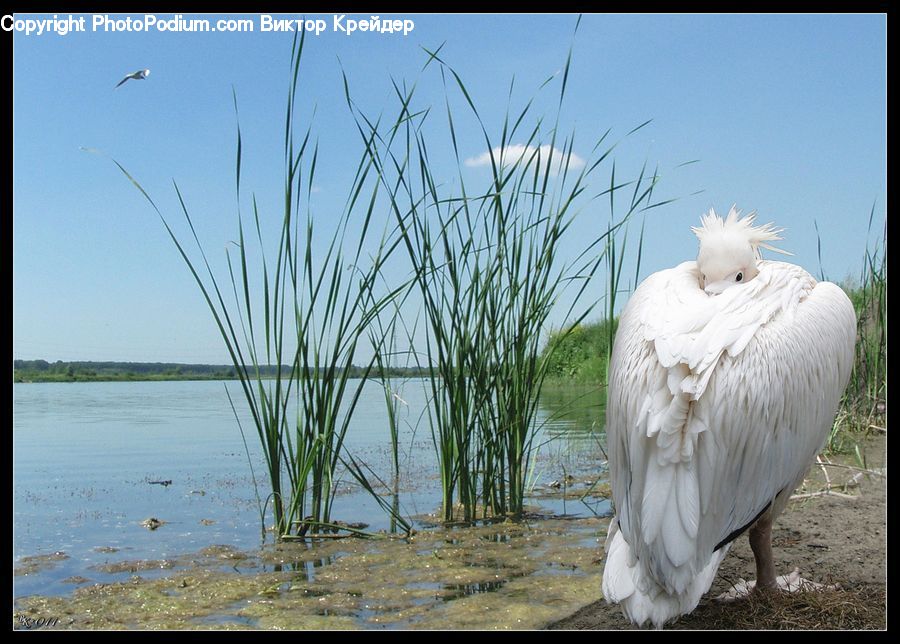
{"x":739,"y":277}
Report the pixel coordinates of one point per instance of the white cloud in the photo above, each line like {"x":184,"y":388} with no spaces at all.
{"x":527,"y":154}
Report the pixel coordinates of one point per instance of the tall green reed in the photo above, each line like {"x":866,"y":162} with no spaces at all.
{"x":868,"y":381}
{"x":489,"y":269}
{"x":865,"y":399}
{"x":307,"y":315}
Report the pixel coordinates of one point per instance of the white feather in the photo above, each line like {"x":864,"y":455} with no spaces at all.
{"x":657,"y":491}
{"x":688,"y":494}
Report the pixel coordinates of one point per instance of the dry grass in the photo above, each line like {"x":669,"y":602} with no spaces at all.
{"x":860,"y":607}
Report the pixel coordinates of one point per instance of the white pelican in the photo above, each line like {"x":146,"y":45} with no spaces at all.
{"x":725,"y":378}
{"x":141,"y":74}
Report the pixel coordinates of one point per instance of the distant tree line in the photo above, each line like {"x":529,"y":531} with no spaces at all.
{"x":60,"y":371}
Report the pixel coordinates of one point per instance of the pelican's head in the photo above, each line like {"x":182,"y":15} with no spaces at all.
{"x":729,"y":249}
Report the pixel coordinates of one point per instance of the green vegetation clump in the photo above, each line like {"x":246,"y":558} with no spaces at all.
{"x":868,"y":383}
{"x":60,"y":371}
{"x":488,"y":270}
{"x":581,"y":354}
{"x":864,"y":408}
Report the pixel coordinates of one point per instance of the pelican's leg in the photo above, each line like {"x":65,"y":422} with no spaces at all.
{"x":761,"y":544}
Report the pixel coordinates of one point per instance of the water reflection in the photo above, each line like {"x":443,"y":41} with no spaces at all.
{"x":573,"y":410}
{"x":455,"y":591}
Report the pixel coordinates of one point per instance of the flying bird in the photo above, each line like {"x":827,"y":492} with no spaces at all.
{"x":725,"y":378}
{"x":141,"y":74}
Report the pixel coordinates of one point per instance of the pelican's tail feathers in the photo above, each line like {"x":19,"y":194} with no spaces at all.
{"x":642,"y":599}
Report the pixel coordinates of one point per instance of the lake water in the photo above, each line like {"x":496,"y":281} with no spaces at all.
{"x":84,"y":456}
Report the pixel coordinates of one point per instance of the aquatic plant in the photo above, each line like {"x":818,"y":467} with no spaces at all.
{"x":489,"y":269}
{"x":305,"y":320}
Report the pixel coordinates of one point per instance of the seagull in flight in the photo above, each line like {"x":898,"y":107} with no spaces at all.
{"x":138,"y":75}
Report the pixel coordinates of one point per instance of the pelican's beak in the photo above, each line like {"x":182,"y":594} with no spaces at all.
{"x":717,"y":287}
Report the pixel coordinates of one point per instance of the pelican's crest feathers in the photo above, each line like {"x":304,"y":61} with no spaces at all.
{"x":714,"y":229}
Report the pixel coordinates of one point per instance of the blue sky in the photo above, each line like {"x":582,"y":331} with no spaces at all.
{"x":785,"y":113}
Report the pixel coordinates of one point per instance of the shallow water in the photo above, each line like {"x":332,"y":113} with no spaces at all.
{"x":512,"y":575}
{"x":85,"y":454}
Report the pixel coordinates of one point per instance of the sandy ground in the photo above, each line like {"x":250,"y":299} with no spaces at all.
{"x":831,"y":540}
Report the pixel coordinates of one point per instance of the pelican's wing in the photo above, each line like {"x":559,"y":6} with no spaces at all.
{"x":128,"y":77}
{"x":642,"y":412}
{"x":718,"y":404}
{"x":770,"y":406}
